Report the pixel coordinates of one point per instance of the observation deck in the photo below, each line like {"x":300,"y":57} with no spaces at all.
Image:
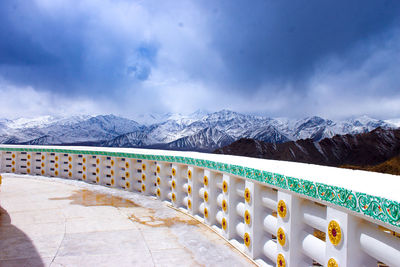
{"x":277,"y":213}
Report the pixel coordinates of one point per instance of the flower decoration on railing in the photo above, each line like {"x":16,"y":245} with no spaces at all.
{"x":247,"y":217}
{"x":334,"y":232}
{"x":332,"y":263}
{"x":280,"y":261}
{"x":246,"y":239}
{"x":281,"y":236}
{"x":282,"y":210}
{"x":247,"y":195}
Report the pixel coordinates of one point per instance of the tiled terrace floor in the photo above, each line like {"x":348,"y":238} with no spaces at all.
{"x":49,"y":222}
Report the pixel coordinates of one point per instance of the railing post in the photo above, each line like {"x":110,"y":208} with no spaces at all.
{"x":179,"y":174}
{"x":343,"y":240}
{"x":253,"y":219}
{"x":163,"y":173}
{"x":210,"y":195}
{"x":231,"y":200}
{"x":195,"y":178}
{"x":148,"y":177}
{"x":290,"y":231}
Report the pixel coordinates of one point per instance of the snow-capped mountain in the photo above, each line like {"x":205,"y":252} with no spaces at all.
{"x":197,"y":131}
{"x":67,"y":130}
{"x":206,"y":139}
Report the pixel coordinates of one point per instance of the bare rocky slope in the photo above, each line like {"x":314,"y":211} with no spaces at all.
{"x":364,"y":149}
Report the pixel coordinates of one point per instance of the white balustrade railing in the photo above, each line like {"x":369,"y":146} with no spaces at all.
{"x":257,"y":205}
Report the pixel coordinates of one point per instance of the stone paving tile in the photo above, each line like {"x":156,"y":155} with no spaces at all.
{"x":27,"y":262}
{"x":102,"y":243}
{"x":42,"y":220}
{"x":142,"y":259}
{"x":173,"y":257}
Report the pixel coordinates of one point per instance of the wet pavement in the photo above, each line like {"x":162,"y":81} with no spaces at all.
{"x":51,"y":222}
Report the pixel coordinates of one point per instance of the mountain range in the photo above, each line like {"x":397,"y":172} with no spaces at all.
{"x":364,"y":149}
{"x":199,"y":131}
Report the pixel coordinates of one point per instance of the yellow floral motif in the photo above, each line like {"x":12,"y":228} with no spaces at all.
{"x":112,"y":162}
{"x":224,"y":205}
{"x":158,"y":180}
{"x":334,"y":232}
{"x":173,"y":171}
{"x":158,"y":192}
{"x":173,"y":197}
{"x":189,"y":204}
{"x":143,"y":167}
{"x":206,"y":196}
{"x":84,"y":176}
{"x":128,"y":185}
{"x":247,"y":195}
{"x":173,"y":184}
{"x":158,"y":169}
{"x":282,"y":210}
{"x":97,"y":179}
{"x":189,"y":174}
{"x":189,"y":190}
{"x":225,"y":186}
{"x":69,"y":158}
{"x":206,"y":213}
{"x":281,"y":237}
{"x":143,"y":188}
{"x":143,"y":177}
{"x":247,"y":240}
{"x":127,"y":175}
{"x":332,"y":263}
{"x":280,"y":261}
{"x":224,"y":223}
{"x":127,"y":165}
{"x":112,"y":182}
{"x":205,"y":180}
{"x":28,"y":156}
{"x":247,"y":217}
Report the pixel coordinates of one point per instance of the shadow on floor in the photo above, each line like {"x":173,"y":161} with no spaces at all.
{"x":16,"y":248}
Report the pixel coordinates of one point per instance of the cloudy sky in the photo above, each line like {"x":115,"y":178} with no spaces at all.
{"x":274,"y":57}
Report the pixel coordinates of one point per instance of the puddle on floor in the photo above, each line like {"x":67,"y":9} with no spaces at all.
{"x":89,"y":198}
{"x":161,"y":222}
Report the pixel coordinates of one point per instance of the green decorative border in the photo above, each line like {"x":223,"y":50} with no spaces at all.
{"x":378,"y":208}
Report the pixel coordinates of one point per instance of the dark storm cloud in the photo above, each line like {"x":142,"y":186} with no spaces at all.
{"x":68,"y":52}
{"x":154,"y":51}
{"x":270,"y":40}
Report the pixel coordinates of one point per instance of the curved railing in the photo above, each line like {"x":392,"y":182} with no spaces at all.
{"x":335,"y":217}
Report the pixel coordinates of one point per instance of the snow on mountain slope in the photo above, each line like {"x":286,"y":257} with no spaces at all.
{"x":69,"y":130}
{"x":207,"y":139}
{"x":111,"y":130}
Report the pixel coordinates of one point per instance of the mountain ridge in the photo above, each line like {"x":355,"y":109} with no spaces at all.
{"x":111,"y":130}
{"x":363,"y":149}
